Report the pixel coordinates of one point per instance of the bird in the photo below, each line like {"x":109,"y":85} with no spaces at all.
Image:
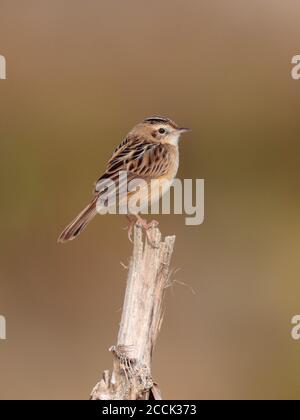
{"x":148,"y":152}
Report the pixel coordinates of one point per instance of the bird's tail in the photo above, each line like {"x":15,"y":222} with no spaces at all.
{"x":80,"y":222}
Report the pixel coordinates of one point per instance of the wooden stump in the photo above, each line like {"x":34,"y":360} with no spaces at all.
{"x":141,"y":320}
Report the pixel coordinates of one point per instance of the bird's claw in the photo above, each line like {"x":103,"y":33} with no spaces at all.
{"x":142,"y":223}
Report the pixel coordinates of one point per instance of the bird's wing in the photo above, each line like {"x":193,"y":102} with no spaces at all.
{"x":140,"y":159}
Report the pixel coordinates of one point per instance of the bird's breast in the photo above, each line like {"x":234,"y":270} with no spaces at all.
{"x":173,"y":169}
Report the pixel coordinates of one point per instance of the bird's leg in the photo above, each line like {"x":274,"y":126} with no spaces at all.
{"x":147,"y":226}
{"x":144,"y":224}
{"x":131,"y":223}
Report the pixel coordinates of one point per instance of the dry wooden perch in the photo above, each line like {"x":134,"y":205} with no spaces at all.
{"x":142,"y":316}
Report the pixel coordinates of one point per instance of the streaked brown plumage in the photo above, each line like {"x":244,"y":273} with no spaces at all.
{"x":149,"y":151}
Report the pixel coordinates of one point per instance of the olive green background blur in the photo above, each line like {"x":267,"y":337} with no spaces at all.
{"x":80,"y":74}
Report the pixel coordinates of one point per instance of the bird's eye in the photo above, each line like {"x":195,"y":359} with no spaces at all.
{"x":161,"y":131}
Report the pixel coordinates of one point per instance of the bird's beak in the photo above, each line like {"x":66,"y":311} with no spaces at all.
{"x":183,"y":130}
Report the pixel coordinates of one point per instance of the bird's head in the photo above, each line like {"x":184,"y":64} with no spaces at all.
{"x":160,"y":130}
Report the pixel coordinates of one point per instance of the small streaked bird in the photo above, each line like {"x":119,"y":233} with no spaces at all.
{"x":148,"y":152}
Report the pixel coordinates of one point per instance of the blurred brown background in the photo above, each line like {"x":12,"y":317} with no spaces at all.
{"x":80,"y":74}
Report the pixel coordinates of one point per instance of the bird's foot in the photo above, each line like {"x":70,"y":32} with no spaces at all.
{"x":147,"y":228}
{"x":131,"y":223}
